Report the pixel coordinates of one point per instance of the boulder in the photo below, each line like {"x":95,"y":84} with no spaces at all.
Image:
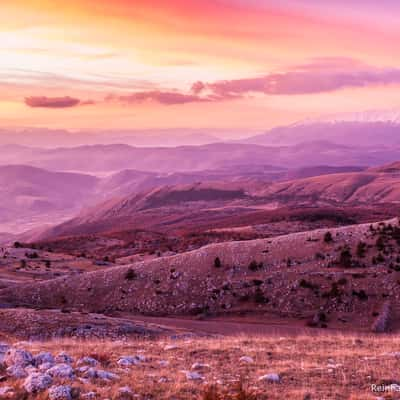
{"x":18,"y":357}
{"x":246,"y":360}
{"x":42,"y":358}
{"x":270,"y":378}
{"x":193,"y":376}
{"x":93,"y":373}
{"x":125,"y":393}
{"x":128,"y":361}
{"x":89,"y":396}
{"x":61,"y":371}
{"x":200,"y":366}
{"x":37,"y":382}
{"x":61,"y":392}
{"x":87,"y":361}
{"x":45,"y":366}
{"x":16,"y":371}
{"x":64,"y":358}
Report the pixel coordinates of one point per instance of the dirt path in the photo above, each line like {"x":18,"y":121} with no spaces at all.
{"x":227,"y":326}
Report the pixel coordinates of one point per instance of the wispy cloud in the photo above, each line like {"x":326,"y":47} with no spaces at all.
{"x":158,"y":96}
{"x":323,"y":75}
{"x":54,"y":102}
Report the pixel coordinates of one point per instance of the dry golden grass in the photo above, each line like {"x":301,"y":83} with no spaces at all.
{"x":303,"y":362}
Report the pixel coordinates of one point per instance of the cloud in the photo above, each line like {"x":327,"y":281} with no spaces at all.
{"x":322,"y":75}
{"x":162,"y":97}
{"x":52,"y":102}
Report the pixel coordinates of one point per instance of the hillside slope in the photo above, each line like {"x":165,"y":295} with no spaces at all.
{"x":352,"y":188}
{"x":293,"y":276}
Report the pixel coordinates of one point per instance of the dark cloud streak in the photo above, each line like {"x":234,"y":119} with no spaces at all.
{"x":51,"y":102}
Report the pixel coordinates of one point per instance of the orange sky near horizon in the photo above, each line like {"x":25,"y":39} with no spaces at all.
{"x":132,"y":64}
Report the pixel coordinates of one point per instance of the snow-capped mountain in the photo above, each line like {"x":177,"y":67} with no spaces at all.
{"x":364,"y":129}
{"x":392,"y":116}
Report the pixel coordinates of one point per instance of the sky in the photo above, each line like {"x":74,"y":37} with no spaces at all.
{"x":226,"y":64}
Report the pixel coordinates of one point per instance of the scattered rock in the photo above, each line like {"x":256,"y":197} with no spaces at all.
{"x":3,"y":350}
{"x":193,"y":376}
{"x":125,"y":393}
{"x":93,"y":373}
{"x":246,"y":359}
{"x":200,"y":366}
{"x":270,"y":378}
{"x":37,"y":382}
{"x":45,"y":367}
{"x":18,"y":357}
{"x":88,"y":361}
{"x":61,"y":392}
{"x":16,"y":371}
{"x":127,"y":361}
{"x":43,"y":358}
{"x":170,"y":347}
{"x":89,"y":396}
{"x":64,"y":358}
{"x":61,"y":371}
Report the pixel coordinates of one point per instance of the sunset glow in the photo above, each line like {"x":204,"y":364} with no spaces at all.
{"x":189,"y":63}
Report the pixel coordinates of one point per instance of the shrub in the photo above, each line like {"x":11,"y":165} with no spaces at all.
{"x":342,"y":281}
{"x":361,"y":295}
{"x":380,"y":243}
{"x":254,"y":265}
{"x":333,"y":292}
{"x":346,"y":259}
{"x":33,"y":255}
{"x":361,"y":248}
{"x":130,"y":275}
{"x":217,"y":262}
{"x":379,"y":258}
{"x":307,"y":285}
{"x":17,"y":245}
{"x":259,"y":297}
{"x":328,"y":237}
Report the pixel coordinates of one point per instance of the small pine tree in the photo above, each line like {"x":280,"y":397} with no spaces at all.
{"x":361,"y":248}
{"x":130,"y":275}
{"x":328,"y":237}
{"x":217,"y":262}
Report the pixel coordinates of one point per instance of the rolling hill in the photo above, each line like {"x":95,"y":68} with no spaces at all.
{"x":300,"y":276}
{"x":171,"y":206}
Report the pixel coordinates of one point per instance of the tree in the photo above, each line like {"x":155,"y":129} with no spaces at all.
{"x":328,"y":237}
{"x":361,"y":248}
{"x":217,"y":263}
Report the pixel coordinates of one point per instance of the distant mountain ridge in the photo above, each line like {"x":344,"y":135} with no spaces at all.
{"x":357,"y":134}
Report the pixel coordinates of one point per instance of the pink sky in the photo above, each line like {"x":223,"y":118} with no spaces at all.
{"x":189,"y":63}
